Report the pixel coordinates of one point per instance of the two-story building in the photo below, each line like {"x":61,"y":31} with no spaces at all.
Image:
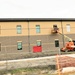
{"x":25,"y":35}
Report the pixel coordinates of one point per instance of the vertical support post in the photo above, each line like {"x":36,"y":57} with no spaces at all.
{"x":6,"y":61}
{"x":29,"y":36}
{"x":62,"y":33}
{"x":58,"y":67}
{"x":59,"y":51}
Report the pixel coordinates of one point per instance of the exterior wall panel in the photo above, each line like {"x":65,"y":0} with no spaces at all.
{"x":9,"y":28}
{"x":45,"y":27}
{"x":72,"y":25}
{"x":9,"y":44}
{"x":48,"y":41}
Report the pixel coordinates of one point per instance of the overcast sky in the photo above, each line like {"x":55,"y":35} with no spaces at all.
{"x":37,"y":8}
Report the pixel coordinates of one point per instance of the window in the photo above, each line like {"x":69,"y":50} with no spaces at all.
{"x":38,"y":42}
{"x":19,"y":29}
{"x":19,"y":45}
{"x":56,"y":43}
{"x":68,"y":27}
{"x":55,"y":27}
{"x":37,"y":28}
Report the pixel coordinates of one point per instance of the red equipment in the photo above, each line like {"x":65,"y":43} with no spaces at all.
{"x":37,"y":49}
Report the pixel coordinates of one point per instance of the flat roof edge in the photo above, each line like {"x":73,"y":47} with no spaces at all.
{"x":36,"y":19}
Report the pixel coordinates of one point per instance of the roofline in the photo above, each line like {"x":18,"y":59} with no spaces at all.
{"x":35,"y":19}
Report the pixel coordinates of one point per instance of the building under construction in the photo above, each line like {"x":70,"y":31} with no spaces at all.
{"x":31,"y":35}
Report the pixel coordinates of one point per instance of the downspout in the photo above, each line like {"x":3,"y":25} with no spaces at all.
{"x":28,"y":37}
{"x":62,"y":33}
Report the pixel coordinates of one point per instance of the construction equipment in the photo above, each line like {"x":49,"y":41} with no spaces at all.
{"x":55,"y":29}
{"x":69,"y":46}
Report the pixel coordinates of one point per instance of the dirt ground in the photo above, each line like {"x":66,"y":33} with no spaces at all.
{"x":35,"y":72}
{"x":66,"y":63}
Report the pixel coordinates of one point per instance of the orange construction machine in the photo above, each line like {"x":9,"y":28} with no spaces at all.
{"x":69,"y":46}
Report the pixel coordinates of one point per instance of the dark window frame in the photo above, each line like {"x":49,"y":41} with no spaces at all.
{"x":37,"y":43}
{"x":55,"y":27}
{"x":19,"y":45}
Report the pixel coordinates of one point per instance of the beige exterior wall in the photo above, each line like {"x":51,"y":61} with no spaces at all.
{"x":72,"y":27}
{"x":9,"y":28}
{"x":45,"y":27}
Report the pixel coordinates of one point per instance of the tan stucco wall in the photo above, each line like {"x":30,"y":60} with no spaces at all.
{"x":45,"y":27}
{"x":72,"y":27}
{"x":9,"y":28}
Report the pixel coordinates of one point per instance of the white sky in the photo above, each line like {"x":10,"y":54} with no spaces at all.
{"x":37,"y":8}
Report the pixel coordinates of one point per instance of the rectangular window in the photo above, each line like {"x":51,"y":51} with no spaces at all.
{"x":68,"y":27}
{"x":19,"y":45}
{"x":38,"y":42}
{"x":55,"y":27}
{"x":19,"y":29}
{"x":37,"y":28}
